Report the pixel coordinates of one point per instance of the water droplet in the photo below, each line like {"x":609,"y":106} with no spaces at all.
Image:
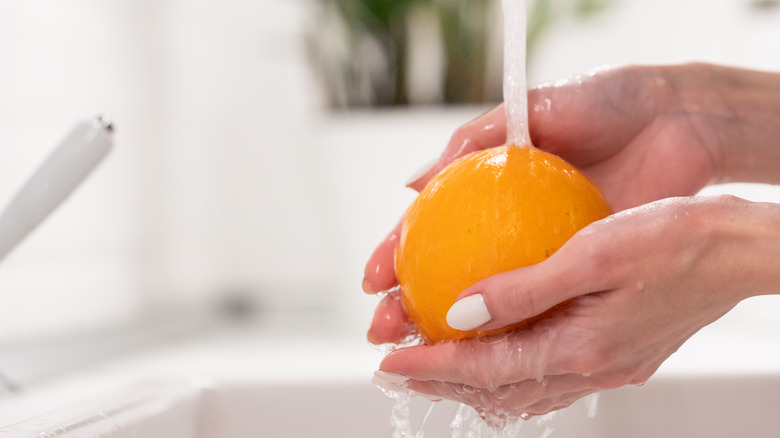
{"x":545,"y":419}
{"x":467,"y":389}
{"x":400,"y":414}
{"x":592,"y":404}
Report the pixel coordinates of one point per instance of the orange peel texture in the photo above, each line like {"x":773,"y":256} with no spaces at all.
{"x":492,"y":211}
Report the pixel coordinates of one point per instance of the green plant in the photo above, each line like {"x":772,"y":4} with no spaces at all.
{"x":386,"y":22}
{"x":360,"y":48}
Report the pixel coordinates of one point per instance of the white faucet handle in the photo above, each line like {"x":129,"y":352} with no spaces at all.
{"x":57,"y":177}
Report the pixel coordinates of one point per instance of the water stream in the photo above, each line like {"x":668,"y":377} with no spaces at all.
{"x":467,"y":422}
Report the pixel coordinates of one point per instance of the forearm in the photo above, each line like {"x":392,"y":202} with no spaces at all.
{"x":755,"y":240}
{"x":737,"y":113}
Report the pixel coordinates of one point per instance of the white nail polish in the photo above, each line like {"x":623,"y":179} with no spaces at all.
{"x":468,"y":313}
{"x":422,"y":171}
{"x":389,"y":381}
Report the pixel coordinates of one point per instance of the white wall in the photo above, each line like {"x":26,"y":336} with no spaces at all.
{"x":61,"y":62}
{"x":662,"y":32}
{"x":210,"y":186}
{"x":227,"y":176}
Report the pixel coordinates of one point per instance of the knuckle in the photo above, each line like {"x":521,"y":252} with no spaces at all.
{"x":462,"y":142}
{"x":471,"y":365}
{"x":586,"y":364}
{"x":591,"y":359}
{"x":600,"y":258}
{"x":605,"y":366}
{"x":519,"y":303}
{"x":475,"y":377}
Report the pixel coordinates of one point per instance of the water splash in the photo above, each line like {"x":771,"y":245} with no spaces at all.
{"x":592,"y":404}
{"x":499,"y":418}
{"x":400,"y":416}
{"x":545,"y":421}
{"x":467,"y":423}
{"x":401,"y":423}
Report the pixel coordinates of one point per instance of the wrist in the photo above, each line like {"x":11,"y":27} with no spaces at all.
{"x":736,"y":113}
{"x":748,"y":237}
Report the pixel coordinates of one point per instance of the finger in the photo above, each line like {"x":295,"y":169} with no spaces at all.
{"x":390,"y":323}
{"x":515,"y":296}
{"x":556,"y":118}
{"x":486,"y":131}
{"x":569,"y":117}
{"x":557,"y":402}
{"x":509,"y":401}
{"x":489,"y":362}
{"x":529,"y":397}
{"x":481,"y":400}
{"x":379,"y":274}
{"x":423,"y":362}
{"x":421,"y":177}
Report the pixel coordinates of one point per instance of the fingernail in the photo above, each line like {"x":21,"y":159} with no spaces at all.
{"x":389,"y":381}
{"x":368,"y":287}
{"x":375,"y":271}
{"x":468,"y":313}
{"x":421,"y":172}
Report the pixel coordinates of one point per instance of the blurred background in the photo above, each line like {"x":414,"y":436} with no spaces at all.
{"x":261,"y":146}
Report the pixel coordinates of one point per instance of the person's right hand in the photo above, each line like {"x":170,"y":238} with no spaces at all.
{"x":625,"y":128}
{"x":640,"y":133}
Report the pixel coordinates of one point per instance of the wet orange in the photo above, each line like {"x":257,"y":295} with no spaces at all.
{"x":492,"y":211}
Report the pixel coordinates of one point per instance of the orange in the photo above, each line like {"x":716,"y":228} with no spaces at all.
{"x":491,"y":211}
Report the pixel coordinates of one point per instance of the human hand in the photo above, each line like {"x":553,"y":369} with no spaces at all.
{"x":628,"y":129}
{"x":641,"y":283}
{"x":698,"y":117}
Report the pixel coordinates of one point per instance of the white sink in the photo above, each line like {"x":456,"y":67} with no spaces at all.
{"x":711,"y":407}
{"x":723,"y":383}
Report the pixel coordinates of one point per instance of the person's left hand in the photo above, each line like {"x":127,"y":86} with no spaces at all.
{"x":641,"y":282}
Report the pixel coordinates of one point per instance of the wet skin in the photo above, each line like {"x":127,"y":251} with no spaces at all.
{"x":643,"y":280}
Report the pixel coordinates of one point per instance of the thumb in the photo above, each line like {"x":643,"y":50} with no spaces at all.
{"x":486,"y":131}
{"x":515,"y":296}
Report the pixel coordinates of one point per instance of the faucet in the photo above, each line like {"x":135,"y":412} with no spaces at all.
{"x":65,"y":168}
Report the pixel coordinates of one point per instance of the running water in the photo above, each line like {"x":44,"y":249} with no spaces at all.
{"x":515,"y":82}
{"x":401,"y":423}
{"x":467,"y":422}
